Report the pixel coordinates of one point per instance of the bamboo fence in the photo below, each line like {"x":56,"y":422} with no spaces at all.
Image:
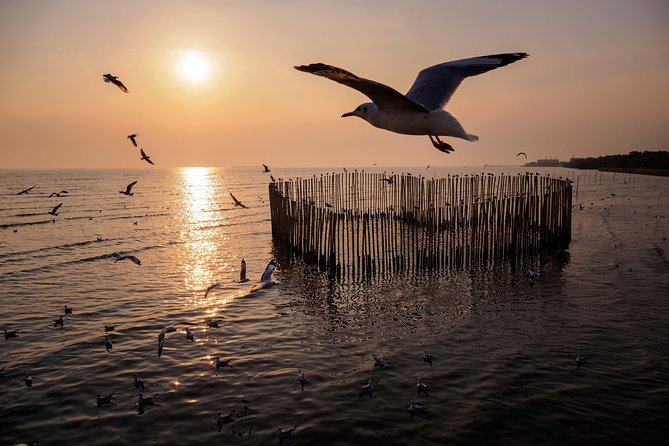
{"x":358,"y":224}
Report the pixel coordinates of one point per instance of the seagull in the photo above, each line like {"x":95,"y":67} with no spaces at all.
{"x":242,"y":273}
{"x":25,"y":191}
{"x":138,"y":381}
{"x":378,"y":361}
{"x":57,"y":194}
{"x":416,"y":408}
{"x":110,"y":328}
{"x":68,"y":310}
{"x":532,"y":276}
{"x":132,"y":138}
{"x":222,"y":363}
{"x":114,"y":80}
{"x":212,"y":323}
{"x":427,"y":357}
{"x":146,"y":401}
{"x":108,"y":343}
{"x":58,"y":321}
{"x":301,"y":378}
{"x":127,"y":189}
{"x":522,"y":153}
{"x":28,"y":380}
{"x":237,"y":202}
{"x":145,"y":157}
{"x":421,"y":387}
{"x":54,"y":211}
{"x":420,"y":111}
{"x":210,"y":288}
{"x":367,"y":389}
{"x":189,"y":335}
{"x":118,"y":257}
{"x":390,"y":180}
{"x":161,"y":342}
{"x":223,"y":419}
{"x":271,"y":177}
{"x":580,"y":360}
{"x":11,"y":334}
{"x":283,"y":434}
{"x":101,"y":400}
{"x":266,"y":279}
{"x":266,"y":167}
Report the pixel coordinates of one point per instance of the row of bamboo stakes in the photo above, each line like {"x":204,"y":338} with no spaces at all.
{"x":357,"y":224}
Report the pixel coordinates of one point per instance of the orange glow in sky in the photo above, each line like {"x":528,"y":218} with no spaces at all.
{"x":213,"y":84}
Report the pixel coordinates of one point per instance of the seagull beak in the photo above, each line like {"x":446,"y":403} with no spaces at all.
{"x":348,"y":114}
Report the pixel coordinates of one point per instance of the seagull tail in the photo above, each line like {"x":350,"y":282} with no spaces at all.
{"x":472,"y":138}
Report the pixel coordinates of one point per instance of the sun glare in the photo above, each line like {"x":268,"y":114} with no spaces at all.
{"x":193,"y":67}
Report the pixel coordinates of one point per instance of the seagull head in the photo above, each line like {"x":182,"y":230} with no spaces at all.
{"x":362,"y":111}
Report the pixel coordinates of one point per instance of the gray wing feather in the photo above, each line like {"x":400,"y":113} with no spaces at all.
{"x":385,"y":97}
{"x":435,"y":85}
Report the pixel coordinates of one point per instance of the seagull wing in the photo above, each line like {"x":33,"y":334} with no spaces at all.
{"x":132,"y":139}
{"x":385,"y":97}
{"x":267,"y":275}
{"x":120,"y":85}
{"x":435,"y":85}
{"x":145,"y":157}
{"x":129,"y":187}
{"x":55,"y":209}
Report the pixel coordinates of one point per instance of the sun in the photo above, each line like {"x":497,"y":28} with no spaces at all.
{"x":194,"y":67}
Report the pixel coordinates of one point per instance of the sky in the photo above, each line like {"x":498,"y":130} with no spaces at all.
{"x":596,"y":81}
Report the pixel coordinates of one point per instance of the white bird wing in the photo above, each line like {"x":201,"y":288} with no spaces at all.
{"x":386,"y":98}
{"x":267,"y":275}
{"x":435,"y":85}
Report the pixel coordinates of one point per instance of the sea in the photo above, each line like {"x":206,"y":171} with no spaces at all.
{"x":504,"y":351}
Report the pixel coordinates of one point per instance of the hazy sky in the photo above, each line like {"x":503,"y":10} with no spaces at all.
{"x":596,"y":81}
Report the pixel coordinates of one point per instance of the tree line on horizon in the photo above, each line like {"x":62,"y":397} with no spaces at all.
{"x":634,"y":159}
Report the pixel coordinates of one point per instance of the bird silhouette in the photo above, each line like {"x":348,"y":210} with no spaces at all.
{"x":132,"y":138}
{"x":118,"y":257}
{"x":145,"y":157}
{"x":114,"y":80}
{"x":128,"y":189}
{"x":237,"y":202}
{"x":266,"y":167}
{"x":57,"y":194}
{"x":522,"y":153}
{"x":54,"y":211}
{"x":25,"y":191}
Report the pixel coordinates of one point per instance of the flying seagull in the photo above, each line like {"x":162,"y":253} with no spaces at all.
{"x":266,"y":167}
{"x":237,"y":202}
{"x":114,"y":80}
{"x":128,"y":189}
{"x":210,"y":288}
{"x":25,"y":191}
{"x":118,"y":257}
{"x":420,"y":111}
{"x":145,"y":157}
{"x":522,"y":153}
{"x":57,"y":194}
{"x":54,"y":211}
{"x":132,"y":138}
{"x":242,"y":273}
{"x":266,"y":278}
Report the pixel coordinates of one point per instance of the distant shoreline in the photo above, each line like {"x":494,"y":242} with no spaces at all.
{"x":636,"y":170}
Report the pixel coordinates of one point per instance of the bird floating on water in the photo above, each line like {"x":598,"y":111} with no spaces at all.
{"x":133,"y":139}
{"x":54,"y":211}
{"x":379,"y":361}
{"x":189,"y":335}
{"x":367,"y":389}
{"x":237,"y":202}
{"x":128,"y":189}
{"x":114,"y":80}
{"x":68,"y":310}
{"x":138,"y":381}
{"x":301,"y":378}
{"x":223,"y":419}
{"x":266,"y":278}
{"x":212,"y":323}
{"x":580,"y":360}
{"x":57,"y":194}
{"x":118,"y":257}
{"x":222,"y":362}
{"x":102,"y":400}
{"x":11,"y":334}
{"x":242,"y":273}
{"x":283,"y":434}
{"x":28,"y":380}
{"x":110,"y":328}
{"x":421,"y":387}
{"x":420,"y":111}
{"x":59,"y":321}
{"x":146,"y":400}
{"x":415,"y":408}
{"x":145,"y":157}
{"x":25,"y":191}
{"x":427,"y":357}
